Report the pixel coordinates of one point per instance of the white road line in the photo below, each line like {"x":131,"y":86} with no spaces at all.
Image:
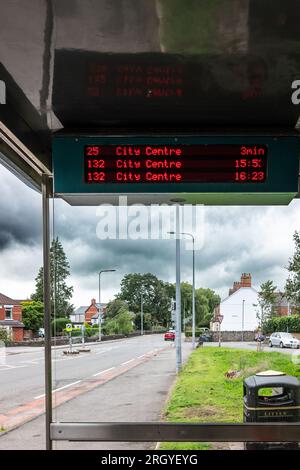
{"x":104,"y":351}
{"x":127,"y":362}
{"x":58,"y":389}
{"x":29,"y":362}
{"x":12,"y":367}
{"x":103,"y":371}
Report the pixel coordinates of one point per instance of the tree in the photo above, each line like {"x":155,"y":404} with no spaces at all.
{"x":114,"y":307}
{"x":155,"y":293}
{"x":58,"y":325}
{"x":202,"y":308}
{"x":121,"y":323}
{"x":61,"y":294}
{"x":266,"y":302}
{"x":33,"y":314}
{"x":292,"y":286}
{"x":4,"y":338}
{"x":147,"y":321}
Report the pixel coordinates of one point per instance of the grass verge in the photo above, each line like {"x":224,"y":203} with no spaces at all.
{"x":203,"y":393}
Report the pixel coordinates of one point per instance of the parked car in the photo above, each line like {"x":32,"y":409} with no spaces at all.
{"x":205,"y":337}
{"x":41,"y":333}
{"x":284,"y":340}
{"x":169,"y":335}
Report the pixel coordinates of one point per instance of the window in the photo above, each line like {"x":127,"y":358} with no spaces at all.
{"x":8,"y":313}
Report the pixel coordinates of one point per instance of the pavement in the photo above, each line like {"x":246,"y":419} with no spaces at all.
{"x":125,"y":380}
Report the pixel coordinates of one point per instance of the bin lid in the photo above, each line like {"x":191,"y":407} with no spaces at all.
{"x":259,"y":381}
{"x":270,"y":373}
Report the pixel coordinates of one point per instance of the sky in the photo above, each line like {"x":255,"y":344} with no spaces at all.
{"x":229,"y":241}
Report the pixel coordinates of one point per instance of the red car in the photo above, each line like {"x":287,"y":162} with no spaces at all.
{"x":170,"y":335}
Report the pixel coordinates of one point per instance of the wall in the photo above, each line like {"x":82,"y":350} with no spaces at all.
{"x":17,"y":334}
{"x":233,"y":336}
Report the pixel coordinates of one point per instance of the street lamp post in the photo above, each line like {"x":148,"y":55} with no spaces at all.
{"x":178,"y":293}
{"x":100,"y":309}
{"x":243,"y":318}
{"x":142,"y":314}
{"x":193,"y":292}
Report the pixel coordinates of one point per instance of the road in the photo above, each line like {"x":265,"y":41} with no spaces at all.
{"x":125,"y":380}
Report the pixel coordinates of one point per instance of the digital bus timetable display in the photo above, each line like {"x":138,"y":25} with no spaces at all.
{"x":175,"y":164}
{"x":215,"y":169}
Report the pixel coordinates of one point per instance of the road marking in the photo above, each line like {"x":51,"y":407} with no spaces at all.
{"x":104,"y":351}
{"x":103,"y":371}
{"x":10,"y":367}
{"x":127,"y":362}
{"x":59,"y":389}
{"x":29,"y":362}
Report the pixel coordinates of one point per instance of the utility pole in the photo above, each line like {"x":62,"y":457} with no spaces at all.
{"x":142,"y":315}
{"x":243,"y":319}
{"x":178,"y":294}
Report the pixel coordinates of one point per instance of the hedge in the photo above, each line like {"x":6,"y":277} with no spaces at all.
{"x":188,"y":333}
{"x":289,"y":324}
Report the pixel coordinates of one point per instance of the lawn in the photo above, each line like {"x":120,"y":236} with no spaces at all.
{"x":203,"y":393}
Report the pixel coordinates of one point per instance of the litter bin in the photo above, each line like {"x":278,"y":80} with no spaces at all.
{"x":271,"y":397}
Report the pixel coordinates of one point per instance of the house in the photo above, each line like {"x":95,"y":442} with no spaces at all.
{"x":238,"y":308}
{"x":11,"y":317}
{"x":88,"y":314}
{"x":282,"y":305}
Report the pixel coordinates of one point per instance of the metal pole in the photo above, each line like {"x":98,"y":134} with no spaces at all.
{"x":243,"y":316}
{"x":99,"y":317}
{"x":193,"y":301}
{"x":47,"y":306}
{"x":142,"y":315}
{"x":178,"y":295}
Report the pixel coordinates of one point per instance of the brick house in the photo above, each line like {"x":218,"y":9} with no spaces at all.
{"x":88,"y":313}
{"x":11,"y":317}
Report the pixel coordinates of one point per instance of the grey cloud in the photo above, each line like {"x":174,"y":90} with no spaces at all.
{"x":20,"y":212}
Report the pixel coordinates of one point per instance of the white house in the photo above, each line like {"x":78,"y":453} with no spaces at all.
{"x":238,"y":308}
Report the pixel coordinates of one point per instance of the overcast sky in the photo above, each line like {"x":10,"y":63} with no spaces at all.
{"x":233,"y":240}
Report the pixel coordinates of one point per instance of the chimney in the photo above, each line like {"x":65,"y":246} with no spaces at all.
{"x":93,"y":301}
{"x":246,"y":280}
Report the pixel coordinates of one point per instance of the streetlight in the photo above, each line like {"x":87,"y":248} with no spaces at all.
{"x":142,"y":314}
{"x":193,"y":294}
{"x":243,"y":319}
{"x":178,"y":294}
{"x":100,"y":310}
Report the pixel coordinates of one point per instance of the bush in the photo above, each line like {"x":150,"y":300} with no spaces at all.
{"x":288,"y":323}
{"x":158,"y":329}
{"x":4,"y":336}
{"x":58,"y":325}
{"x":188,"y":332}
{"x":92,"y":332}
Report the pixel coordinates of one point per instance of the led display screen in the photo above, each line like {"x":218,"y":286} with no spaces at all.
{"x":93,"y":168}
{"x":175,"y":164}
